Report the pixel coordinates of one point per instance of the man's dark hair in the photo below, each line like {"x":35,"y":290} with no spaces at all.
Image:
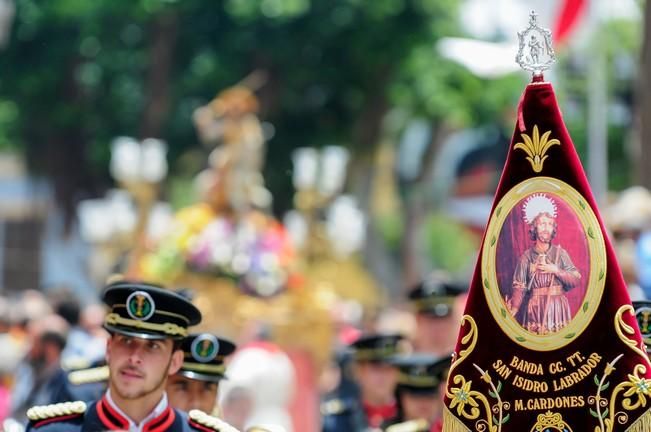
{"x":54,"y":338}
{"x":69,"y":310}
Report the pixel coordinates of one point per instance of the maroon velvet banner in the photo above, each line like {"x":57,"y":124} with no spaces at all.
{"x":549,"y":340}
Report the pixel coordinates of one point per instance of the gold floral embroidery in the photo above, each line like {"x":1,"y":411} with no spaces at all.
{"x":633,"y":392}
{"x":550,"y":421}
{"x":536,"y":147}
{"x":470,"y":403}
{"x":464,"y":395}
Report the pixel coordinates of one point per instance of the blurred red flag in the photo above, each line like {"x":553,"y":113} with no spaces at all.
{"x":568,"y":17}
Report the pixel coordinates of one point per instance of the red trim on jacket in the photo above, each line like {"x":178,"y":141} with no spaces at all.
{"x":200,"y":427}
{"x":376,"y":414}
{"x":105,"y":411}
{"x":162,"y":422}
{"x":55,"y":419}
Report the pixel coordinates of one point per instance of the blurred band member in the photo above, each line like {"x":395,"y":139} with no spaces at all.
{"x":438,"y":304}
{"x":421,"y":383}
{"x":375,"y":376}
{"x":195,"y":385}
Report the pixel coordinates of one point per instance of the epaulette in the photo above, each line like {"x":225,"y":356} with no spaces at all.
{"x":334,"y":407}
{"x":266,"y":428}
{"x":206,"y":422}
{"x":64,"y":409}
{"x":75,"y":363}
{"x":410,"y":426}
{"x":92,"y":375}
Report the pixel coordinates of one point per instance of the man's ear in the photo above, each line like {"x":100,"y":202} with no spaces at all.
{"x":176,"y":362}
{"x":108,"y":348}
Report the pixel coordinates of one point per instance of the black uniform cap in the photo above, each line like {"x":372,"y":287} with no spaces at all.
{"x":377,"y":348}
{"x":643,"y":317}
{"x":435,"y":295}
{"x":148,"y":311}
{"x":421,"y":373}
{"x":203,"y":357}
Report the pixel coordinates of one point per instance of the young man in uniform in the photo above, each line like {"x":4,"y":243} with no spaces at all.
{"x":146,"y":324}
{"x":195,"y":385}
{"x":438,"y":305}
{"x":376,"y":380}
{"x":419,"y":392}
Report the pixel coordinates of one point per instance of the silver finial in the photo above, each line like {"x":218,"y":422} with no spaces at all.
{"x":535,"y":53}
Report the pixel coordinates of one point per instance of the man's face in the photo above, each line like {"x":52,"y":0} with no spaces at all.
{"x":416,"y":406}
{"x":544,"y":228}
{"x":140,"y":367}
{"x":376,"y":380}
{"x":437,"y":335}
{"x":187,"y":394}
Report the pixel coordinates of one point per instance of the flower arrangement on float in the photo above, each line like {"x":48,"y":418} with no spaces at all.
{"x":254,"y":250}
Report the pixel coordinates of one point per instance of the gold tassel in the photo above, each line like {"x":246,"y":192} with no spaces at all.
{"x":453,"y":424}
{"x":642,"y":424}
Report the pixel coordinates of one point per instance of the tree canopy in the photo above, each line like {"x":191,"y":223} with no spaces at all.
{"x":76,"y":74}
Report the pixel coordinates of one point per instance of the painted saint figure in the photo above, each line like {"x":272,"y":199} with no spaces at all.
{"x":544,"y":273}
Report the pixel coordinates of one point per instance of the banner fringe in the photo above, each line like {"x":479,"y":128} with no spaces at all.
{"x":642,"y":424}
{"x":453,"y":424}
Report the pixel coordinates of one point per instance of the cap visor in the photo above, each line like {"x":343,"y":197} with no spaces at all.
{"x":138,"y":334}
{"x":201,"y":377}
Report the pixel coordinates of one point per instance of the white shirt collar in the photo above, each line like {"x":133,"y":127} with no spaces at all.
{"x":133,"y":427}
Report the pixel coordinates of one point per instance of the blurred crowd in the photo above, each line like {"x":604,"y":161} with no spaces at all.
{"x":628,"y":220}
{"x":41,"y":338}
{"x":386,"y":369}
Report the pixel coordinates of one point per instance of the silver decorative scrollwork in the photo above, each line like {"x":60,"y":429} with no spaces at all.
{"x":535,"y":51}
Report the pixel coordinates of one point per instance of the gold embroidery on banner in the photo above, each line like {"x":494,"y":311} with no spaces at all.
{"x":499,"y":407}
{"x":535,"y":147}
{"x":472,"y":334}
{"x":621,"y":327}
{"x":468,"y":402}
{"x":634,"y":391}
{"x":549,"y":422}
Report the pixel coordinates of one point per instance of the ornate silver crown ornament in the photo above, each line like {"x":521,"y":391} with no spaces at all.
{"x":535,"y":51}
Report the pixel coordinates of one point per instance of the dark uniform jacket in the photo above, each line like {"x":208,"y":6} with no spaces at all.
{"x":343,"y":415}
{"x":99,"y":416}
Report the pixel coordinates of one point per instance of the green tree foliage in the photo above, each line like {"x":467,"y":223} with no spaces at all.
{"x":621,"y":42}
{"x":78,"y":73}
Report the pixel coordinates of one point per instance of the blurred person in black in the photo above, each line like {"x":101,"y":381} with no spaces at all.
{"x":438,"y":304}
{"x":376,"y":380}
{"x":419,"y":393}
{"x":195,"y":385}
{"x":642,"y":310}
{"x":86,"y":346}
{"x":39,"y":378}
{"x":341,"y":408}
